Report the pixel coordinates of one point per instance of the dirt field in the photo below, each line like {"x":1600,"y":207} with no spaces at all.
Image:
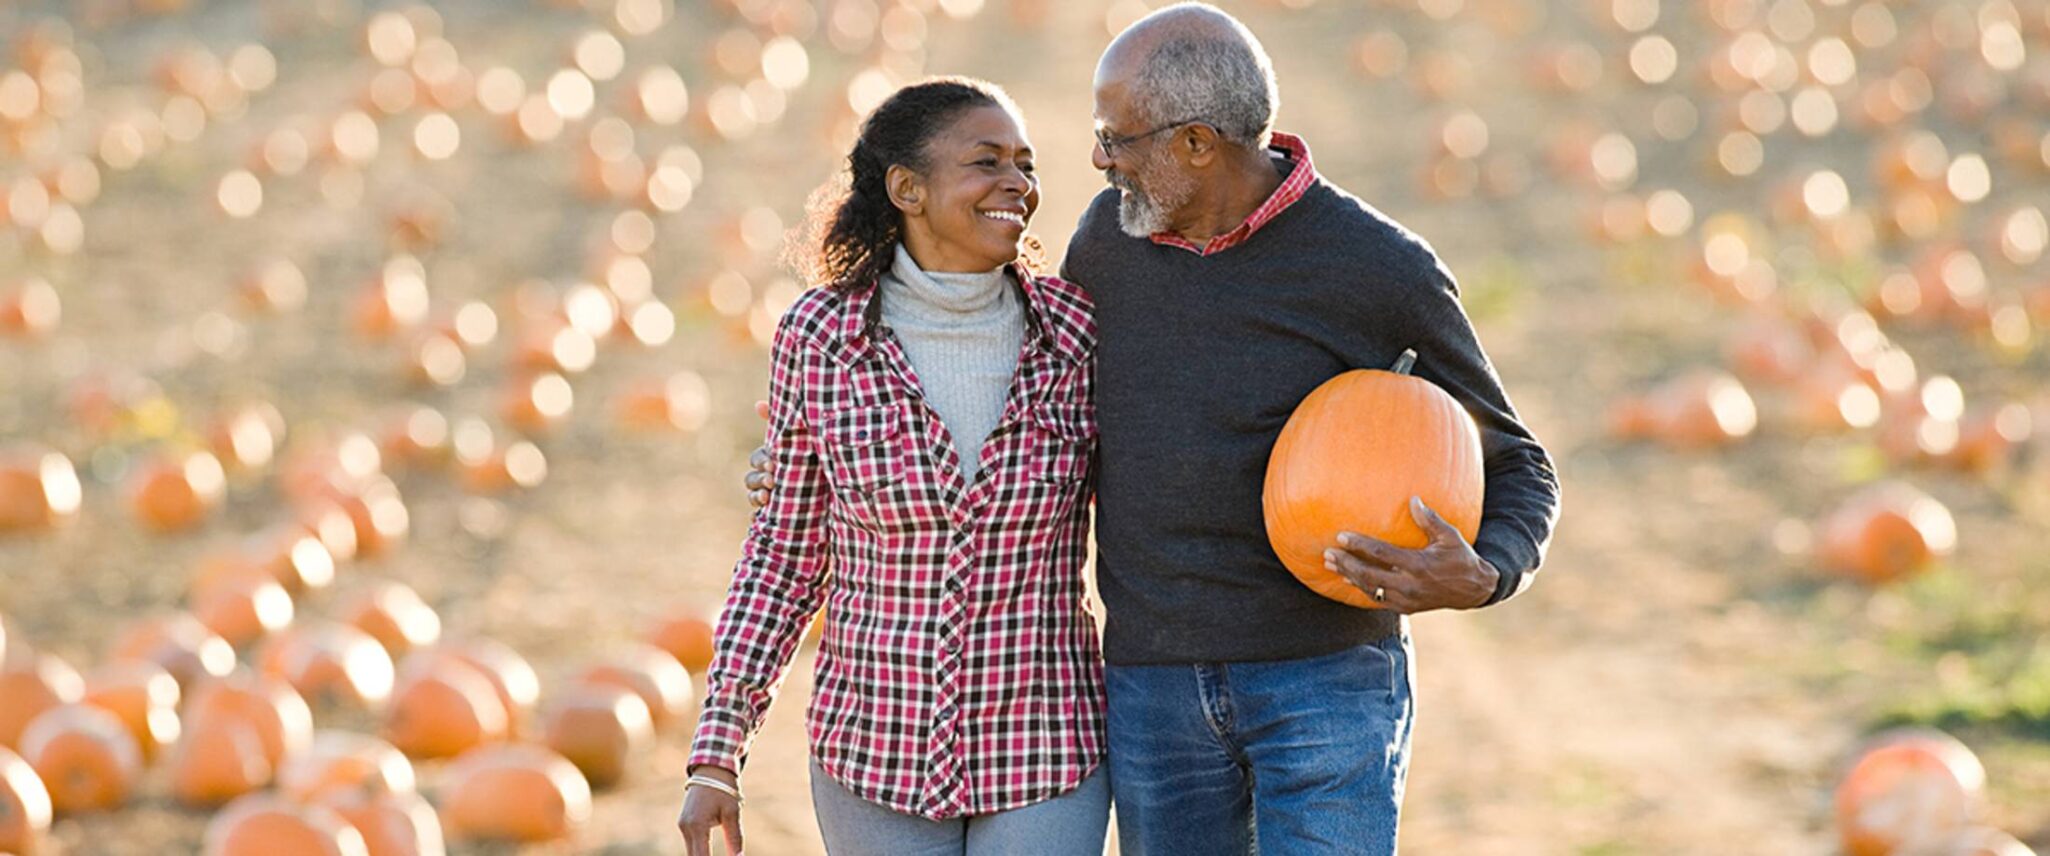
{"x":1683,"y":679}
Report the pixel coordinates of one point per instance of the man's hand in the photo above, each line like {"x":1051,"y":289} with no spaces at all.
{"x":758,"y":480}
{"x":1444,"y":574}
{"x":706,"y":809}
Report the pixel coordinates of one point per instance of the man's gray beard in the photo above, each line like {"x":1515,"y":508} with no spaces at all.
{"x":1143,"y":213}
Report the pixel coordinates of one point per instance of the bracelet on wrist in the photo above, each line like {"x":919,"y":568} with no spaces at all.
{"x":716,"y":785}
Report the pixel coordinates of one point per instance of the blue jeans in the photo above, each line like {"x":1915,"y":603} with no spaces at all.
{"x":1284,"y":757}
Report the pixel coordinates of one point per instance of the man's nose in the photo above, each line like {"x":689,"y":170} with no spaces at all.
{"x":1098,"y":157}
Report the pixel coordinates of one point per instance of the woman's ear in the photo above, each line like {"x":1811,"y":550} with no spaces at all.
{"x":907,"y":189}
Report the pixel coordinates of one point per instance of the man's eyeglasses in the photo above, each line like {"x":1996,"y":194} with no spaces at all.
{"x":1111,"y":142}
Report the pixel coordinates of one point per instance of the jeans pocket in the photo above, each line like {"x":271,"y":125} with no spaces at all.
{"x":1375,"y":669}
{"x":1394,"y":658}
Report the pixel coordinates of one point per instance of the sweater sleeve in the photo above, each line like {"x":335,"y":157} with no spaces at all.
{"x":781,"y":578}
{"x":1521,"y":504}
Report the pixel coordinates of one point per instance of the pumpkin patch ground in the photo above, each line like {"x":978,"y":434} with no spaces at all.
{"x":386,"y":369}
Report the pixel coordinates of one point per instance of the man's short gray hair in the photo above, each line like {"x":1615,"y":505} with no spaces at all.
{"x":1225,"y":82}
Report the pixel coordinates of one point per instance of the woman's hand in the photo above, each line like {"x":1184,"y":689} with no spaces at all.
{"x":758,"y":480}
{"x":706,"y":809}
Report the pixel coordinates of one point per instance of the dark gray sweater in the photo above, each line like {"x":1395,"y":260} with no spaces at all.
{"x":1200,"y":362}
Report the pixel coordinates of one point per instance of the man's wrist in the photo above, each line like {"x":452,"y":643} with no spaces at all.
{"x":1492,"y":576}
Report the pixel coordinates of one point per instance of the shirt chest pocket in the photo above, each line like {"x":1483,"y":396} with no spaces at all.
{"x":1062,"y":440}
{"x":864,"y":452}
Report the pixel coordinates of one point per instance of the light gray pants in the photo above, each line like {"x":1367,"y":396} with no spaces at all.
{"x":1071,"y":824}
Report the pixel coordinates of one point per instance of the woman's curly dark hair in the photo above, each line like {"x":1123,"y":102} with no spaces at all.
{"x":851,"y":228}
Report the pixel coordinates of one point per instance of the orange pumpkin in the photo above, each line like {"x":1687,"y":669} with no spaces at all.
{"x":31,"y":309}
{"x":396,"y":300}
{"x":39,"y":490}
{"x":84,"y":755}
{"x":416,"y":437}
{"x":37,"y":685}
{"x":442,"y":708}
{"x":379,"y":514}
{"x":1885,"y":533}
{"x":1909,"y":792}
{"x":303,"y":557}
{"x":1832,"y":398}
{"x":143,"y":696}
{"x":433,"y":359}
{"x":266,"y":705}
{"x":515,"y":792}
{"x":244,"y":610}
{"x":1986,"y":440}
{"x":679,"y":402}
{"x":1351,"y":457}
{"x":512,"y":678}
{"x":279,"y":285}
{"x":537,"y":404}
{"x":599,"y":728}
{"x":24,"y":806}
{"x":337,"y":662}
{"x":246,"y":438}
{"x":329,"y":467}
{"x":392,"y":824}
{"x":179,"y":643}
{"x":218,"y":759}
{"x":177,"y":492}
{"x":394,"y":615}
{"x":651,"y":673}
{"x":266,"y":825}
{"x":687,"y":636}
{"x":1769,"y":350}
{"x":102,"y":402}
{"x":555,"y":346}
{"x":346,"y":761}
{"x":1700,"y":409}
{"x":495,"y":468}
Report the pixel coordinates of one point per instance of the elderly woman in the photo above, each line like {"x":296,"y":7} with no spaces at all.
{"x":931,"y":434}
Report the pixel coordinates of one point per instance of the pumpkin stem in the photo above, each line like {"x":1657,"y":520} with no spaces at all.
{"x":1405,"y":362}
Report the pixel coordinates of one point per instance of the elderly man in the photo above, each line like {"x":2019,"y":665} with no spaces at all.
{"x":1230,"y":280}
{"x":1247,"y":713}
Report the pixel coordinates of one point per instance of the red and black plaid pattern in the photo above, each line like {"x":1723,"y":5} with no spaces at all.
{"x":1292,"y":187}
{"x":960,"y":672}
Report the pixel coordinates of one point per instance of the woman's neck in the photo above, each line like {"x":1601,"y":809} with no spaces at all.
{"x":914,"y":287}
{"x":936,"y":256}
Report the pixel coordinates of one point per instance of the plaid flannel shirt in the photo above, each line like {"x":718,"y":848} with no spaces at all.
{"x":960,"y":672}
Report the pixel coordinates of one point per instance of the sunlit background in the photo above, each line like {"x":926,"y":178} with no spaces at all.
{"x":383,"y":368}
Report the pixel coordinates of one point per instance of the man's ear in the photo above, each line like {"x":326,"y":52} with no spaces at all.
{"x":1197,"y":144}
{"x":907,"y":189}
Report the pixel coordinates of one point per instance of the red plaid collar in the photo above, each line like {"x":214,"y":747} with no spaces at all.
{"x":1291,"y":148}
{"x":860,"y":313}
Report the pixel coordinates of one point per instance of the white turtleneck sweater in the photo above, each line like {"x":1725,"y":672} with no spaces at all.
{"x":962,"y":332}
